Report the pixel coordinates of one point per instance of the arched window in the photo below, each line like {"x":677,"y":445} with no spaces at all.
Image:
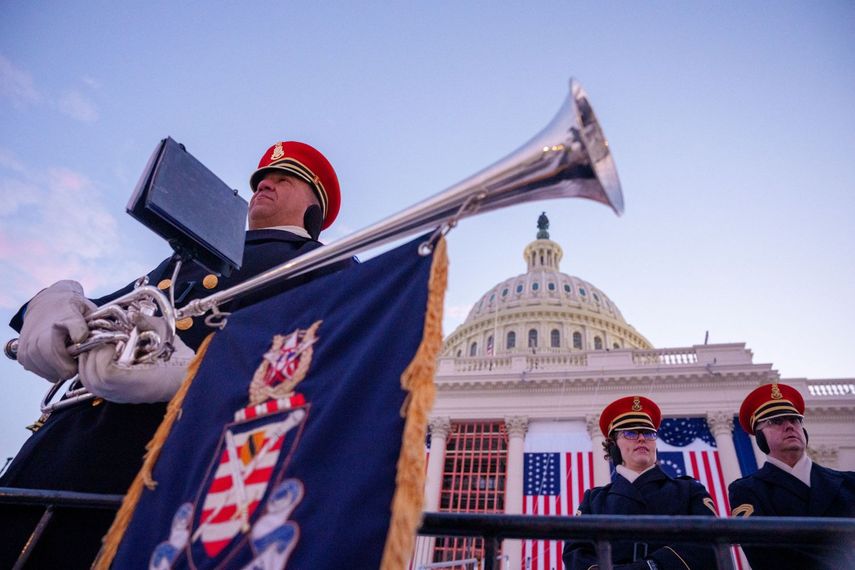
{"x":532,"y":338}
{"x":473,"y":349}
{"x":512,"y":339}
{"x":555,"y":338}
{"x":535,"y":286}
{"x":459,"y":353}
{"x":577,"y":340}
{"x":598,"y":343}
{"x":615,"y":345}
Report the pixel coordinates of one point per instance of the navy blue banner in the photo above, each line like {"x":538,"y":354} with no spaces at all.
{"x":285,"y":450}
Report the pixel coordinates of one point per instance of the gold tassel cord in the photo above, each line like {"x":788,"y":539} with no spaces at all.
{"x":144,"y":477}
{"x":418,"y":381}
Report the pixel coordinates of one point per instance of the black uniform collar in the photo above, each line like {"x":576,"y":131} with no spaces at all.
{"x":270,"y":234}
{"x":623,"y":487}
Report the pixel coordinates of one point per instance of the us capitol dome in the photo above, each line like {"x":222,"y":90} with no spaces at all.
{"x":542,"y":311}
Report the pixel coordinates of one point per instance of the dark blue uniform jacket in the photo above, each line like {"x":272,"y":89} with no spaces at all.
{"x":99,"y":448}
{"x":772,"y":492}
{"x":653,"y":493}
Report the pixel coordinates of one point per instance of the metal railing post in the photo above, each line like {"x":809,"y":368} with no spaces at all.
{"x":604,"y":554}
{"x":34,"y":538}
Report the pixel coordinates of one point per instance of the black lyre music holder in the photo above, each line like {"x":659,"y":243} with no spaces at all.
{"x":181,"y":200}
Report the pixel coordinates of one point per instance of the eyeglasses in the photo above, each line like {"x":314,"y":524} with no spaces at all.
{"x":782,"y":420}
{"x":633,"y":435}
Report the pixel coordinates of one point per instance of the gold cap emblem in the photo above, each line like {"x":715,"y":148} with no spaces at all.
{"x":278,"y":152}
{"x":163,"y":285}
{"x":184,"y":324}
{"x":210,"y":281}
{"x":636,"y":404}
{"x":776,"y":392}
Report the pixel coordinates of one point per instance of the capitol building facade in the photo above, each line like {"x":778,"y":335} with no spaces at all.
{"x":520,"y":385}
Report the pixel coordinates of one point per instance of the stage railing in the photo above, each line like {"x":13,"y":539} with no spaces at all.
{"x":721,"y":533}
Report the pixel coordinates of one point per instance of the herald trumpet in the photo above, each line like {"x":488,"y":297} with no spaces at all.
{"x":568,"y":158}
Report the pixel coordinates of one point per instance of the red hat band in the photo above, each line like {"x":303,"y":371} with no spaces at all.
{"x":309,"y":165}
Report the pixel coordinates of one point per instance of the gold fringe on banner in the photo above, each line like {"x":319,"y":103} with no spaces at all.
{"x":144,"y":479}
{"x":418,"y":381}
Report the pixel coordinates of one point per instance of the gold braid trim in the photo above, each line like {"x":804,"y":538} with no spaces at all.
{"x":143,"y":479}
{"x":418,"y":381}
{"x":678,"y":556}
{"x":743,"y":510}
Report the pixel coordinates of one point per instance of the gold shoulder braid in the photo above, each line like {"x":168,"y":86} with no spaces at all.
{"x":744,"y":510}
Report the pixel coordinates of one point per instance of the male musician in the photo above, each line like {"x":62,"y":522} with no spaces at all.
{"x":789,"y":484}
{"x":98,"y":446}
{"x":640,"y":487}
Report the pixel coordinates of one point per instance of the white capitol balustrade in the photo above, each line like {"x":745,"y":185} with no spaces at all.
{"x":708,"y":356}
{"x":842,"y":387}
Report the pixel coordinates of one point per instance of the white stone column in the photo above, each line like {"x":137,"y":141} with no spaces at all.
{"x":721,"y":427}
{"x":439,"y":430}
{"x":516,"y":427}
{"x":602,"y":473}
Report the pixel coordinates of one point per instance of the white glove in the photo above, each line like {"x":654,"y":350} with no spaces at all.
{"x":137,"y":383}
{"x":54,"y":318}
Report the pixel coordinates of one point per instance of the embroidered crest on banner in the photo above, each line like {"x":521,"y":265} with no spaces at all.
{"x":242,"y":508}
{"x":284,"y":365}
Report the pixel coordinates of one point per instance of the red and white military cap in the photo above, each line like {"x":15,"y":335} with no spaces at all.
{"x":630,"y":412}
{"x":770,"y":401}
{"x":308,"y":164}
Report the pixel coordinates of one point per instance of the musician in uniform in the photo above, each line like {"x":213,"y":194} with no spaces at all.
{"x":97,"y":446}
{"x":640,"y":487}
{"x":789,"y":484}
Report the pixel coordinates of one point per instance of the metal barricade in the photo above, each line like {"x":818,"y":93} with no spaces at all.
{"x":51,"y":501}
{"x":601,"y":530}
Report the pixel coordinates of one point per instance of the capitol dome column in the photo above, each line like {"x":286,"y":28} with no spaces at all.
{"x":602,"y":473}
{"x":721,"y":427}
{"x":517,"y":427}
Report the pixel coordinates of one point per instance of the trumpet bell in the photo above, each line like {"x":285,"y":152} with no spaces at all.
{"x":568,"y":158}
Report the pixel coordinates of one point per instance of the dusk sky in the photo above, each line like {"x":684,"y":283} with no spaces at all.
{"x":732,"y":127}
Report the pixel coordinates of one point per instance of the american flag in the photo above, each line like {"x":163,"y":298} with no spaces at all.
{"x":686,"y":447}
{"x":554,"y":484}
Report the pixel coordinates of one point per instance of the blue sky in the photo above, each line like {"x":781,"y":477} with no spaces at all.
{"x":732,"y":125}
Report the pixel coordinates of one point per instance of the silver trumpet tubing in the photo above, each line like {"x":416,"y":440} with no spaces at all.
{"x":569,"y":158}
